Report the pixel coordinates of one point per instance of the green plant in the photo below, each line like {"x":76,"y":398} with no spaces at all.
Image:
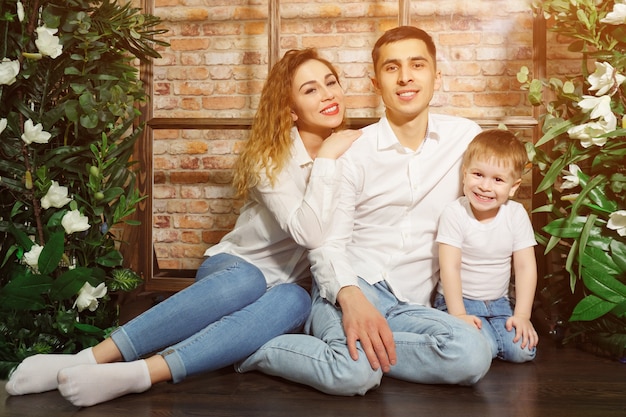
{"x":581,"y":159}
{"x":68,"y":123}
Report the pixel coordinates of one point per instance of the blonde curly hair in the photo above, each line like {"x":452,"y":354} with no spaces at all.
{"x":268,"y":146}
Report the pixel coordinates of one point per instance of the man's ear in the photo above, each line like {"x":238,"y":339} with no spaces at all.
{"x":437,"y":80}
{"x":375,"y":84}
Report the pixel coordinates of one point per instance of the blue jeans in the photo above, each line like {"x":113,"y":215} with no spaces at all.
{"x":493,"y":315}
{"x":432,"y":347}
{"x":221,"y":318}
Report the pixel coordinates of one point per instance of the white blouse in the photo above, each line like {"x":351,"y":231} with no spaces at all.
{"x":279,"y":223}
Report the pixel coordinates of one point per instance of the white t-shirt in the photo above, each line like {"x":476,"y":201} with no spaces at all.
{"x":486,"y":248}
{"x":278,"y":224}
{"x":390,"y":202}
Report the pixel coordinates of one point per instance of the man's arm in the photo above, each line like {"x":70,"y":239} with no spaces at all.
{"x":338,"y":282}
{"x":362,"y":322}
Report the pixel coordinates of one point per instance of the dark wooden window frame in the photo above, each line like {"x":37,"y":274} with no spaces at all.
{"x":141,"y":253}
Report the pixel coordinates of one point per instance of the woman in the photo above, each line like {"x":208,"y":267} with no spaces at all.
{"x":246,"y":291}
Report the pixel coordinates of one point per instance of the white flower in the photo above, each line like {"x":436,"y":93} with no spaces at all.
{"x":605,"y":79}
{"x":3,"y":125}
{"x":570,"y":178}
{"x":599,"y":106}
{"x":47,"y":43}
{"x":617,"y":16}
{"x":34,"y":133}
{"x":8,"y":71}
{"x":570,"y":197}
{"x":20,"y":11}
{"x":617,"y":221}
{"x":589,"y":133}
{"x":73,"y":221}
{"x":55,"y":197}
{"x":31,"y":258}
{"x":88,"y":296}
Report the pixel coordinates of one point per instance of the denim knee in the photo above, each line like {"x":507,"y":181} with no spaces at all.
{"x":350,"y":377}
{"x":474,"y":357}
{"x":223,"y":261}
{"x":297,"y":302}
{"x":358,"y":381}
{"x":514,"y":352}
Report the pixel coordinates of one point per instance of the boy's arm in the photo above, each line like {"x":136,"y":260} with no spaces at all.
{"x":525,"y":267}
{"x":450,"y":274}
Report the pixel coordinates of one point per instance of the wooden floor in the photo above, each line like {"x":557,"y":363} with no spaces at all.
{"x":561,"y":382}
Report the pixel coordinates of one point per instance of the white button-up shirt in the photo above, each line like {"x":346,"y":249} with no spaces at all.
{"x":391,"y":197}
{"x":279,"y":222}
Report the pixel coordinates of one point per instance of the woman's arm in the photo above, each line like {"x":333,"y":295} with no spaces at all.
{"x":303,"y":204}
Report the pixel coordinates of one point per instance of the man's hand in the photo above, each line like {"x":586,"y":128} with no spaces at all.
{"x":362,"y":322}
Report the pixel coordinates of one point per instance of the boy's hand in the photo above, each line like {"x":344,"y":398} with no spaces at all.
{"x":471,"y":320}
{"x":523,"y":330}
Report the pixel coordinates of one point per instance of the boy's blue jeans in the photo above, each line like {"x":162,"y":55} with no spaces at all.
{"x":432,"y":347}
{"x":494,"y":315}
{"x":221,"y":318}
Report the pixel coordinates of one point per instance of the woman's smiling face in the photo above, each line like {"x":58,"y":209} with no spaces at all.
{"x":318,"y":99}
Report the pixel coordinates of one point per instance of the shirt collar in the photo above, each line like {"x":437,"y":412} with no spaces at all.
{"x":300,"y":154}
{"x":387,"y":138}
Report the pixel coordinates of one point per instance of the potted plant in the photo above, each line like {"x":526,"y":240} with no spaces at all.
{"x":581,"y":161}
{"x":68,"y":124}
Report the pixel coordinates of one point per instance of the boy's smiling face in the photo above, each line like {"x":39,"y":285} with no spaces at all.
{"x":487,"y":185}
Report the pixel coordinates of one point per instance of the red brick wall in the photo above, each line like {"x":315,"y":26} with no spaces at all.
{"x":217,"y":62}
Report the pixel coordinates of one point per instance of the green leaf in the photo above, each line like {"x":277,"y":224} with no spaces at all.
{"x":124,"y":280}
{"x":24,"y":292}
{"x":599,"y":260}
{"x":87,"y":328}
{"x":51,"y":253}
{"x":591,"y":308}
{"x":66,"y":320}
{"x":595,"y":190}
{"x":22,"y":238}
{"x":550,"y":177}
{"x":69,"y":283}
{"x":584,"y":238}
{"x":604,"y":286}
{"x":566,"y":227}
{"x":111,"y":259}
{"x":111,"y":194}
{"x":620,"y":310}
{"x":618,"y":254}
{"x":555,"y":131}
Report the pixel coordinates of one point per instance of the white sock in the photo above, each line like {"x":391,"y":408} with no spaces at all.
{"x":38,"y":373}
{"x":86,"y":385}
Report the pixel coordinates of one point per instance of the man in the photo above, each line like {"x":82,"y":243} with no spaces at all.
{"x":377,"y":270}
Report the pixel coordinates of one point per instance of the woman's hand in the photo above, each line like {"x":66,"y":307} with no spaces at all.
{"x":337,"y":143}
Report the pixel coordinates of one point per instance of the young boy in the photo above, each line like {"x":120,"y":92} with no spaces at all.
{"x":478,"y":235}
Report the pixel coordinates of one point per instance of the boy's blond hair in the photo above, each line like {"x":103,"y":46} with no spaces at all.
{"x":501,"y":145}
